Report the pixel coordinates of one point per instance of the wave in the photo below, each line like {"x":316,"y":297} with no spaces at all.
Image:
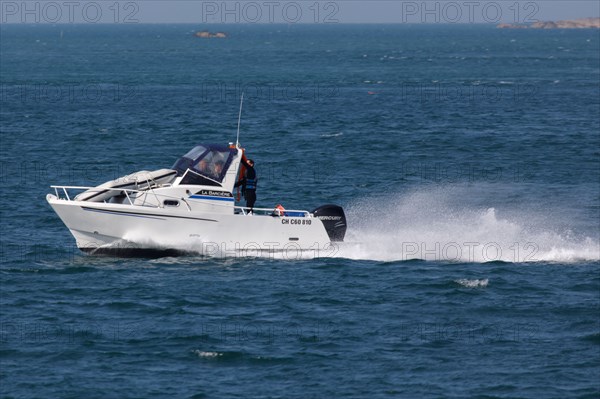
{"x":475,"y":283}
{"x":332,"y":134}
{"x":206,"y":354}
{"x":439,"y":224}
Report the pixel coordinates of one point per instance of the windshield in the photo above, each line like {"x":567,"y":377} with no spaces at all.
{"x":209,"y":164}
{"x":195,"y":152}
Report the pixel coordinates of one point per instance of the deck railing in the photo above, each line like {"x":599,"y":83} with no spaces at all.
{"x":236,"y":209}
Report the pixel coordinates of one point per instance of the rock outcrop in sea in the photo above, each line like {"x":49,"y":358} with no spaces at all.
{"x":209,"y":35}
{"x":583,"y":23}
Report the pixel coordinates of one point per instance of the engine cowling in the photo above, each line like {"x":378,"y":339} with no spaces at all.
{"x":333,"y":219}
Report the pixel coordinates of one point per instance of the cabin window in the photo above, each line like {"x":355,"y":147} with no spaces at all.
{"x":212,"y":164}
{"x":195,"y":152}
{"x":205,"y":164}
{"x":171,"y":203}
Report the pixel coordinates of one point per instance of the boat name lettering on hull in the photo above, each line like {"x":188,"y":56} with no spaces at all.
{"x":296,"y":221}
{"x":215,"y":193}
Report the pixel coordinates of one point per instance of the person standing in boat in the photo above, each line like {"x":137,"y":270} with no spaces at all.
{"x":248,"y":184}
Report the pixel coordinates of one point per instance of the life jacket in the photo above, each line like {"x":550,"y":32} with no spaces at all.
{"x":279,"y":210}
{"x":251,"y":184}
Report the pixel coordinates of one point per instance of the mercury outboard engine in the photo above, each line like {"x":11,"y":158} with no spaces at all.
{"x":333,"y":219}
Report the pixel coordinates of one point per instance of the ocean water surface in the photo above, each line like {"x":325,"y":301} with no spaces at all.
{"x":467,"y":160}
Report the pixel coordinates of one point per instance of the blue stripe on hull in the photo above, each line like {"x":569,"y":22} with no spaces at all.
{"x":210,"y":197}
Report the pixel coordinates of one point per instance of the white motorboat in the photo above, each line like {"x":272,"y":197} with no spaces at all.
{"x":190,"y":208}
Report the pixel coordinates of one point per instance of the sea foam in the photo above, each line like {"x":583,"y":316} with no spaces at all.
{"x":476,"y":283}
{"x":443,"y":224}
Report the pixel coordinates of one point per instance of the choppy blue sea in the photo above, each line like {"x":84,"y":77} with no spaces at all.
{"x":467,"y":159}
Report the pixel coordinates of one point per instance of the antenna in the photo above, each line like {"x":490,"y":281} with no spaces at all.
{"x":237,"y":139}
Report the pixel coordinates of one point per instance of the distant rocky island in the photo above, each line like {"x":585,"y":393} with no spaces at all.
{"x":209,"y":35}
{"x":583,"y":23}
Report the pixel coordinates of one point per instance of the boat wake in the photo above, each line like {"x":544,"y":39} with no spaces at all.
{"x":437,"y":224}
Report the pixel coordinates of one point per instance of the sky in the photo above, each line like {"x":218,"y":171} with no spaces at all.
{"x":297,"y":11}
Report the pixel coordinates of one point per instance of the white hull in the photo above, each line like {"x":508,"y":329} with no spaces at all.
{"x":120,"y":228}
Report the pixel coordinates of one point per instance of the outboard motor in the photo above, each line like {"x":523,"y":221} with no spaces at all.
{"x":333,"y":219}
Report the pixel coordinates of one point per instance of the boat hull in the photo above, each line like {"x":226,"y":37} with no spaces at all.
{"x":130,"y":230}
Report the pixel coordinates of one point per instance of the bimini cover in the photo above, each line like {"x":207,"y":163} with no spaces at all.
{"x":205,"y":164}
